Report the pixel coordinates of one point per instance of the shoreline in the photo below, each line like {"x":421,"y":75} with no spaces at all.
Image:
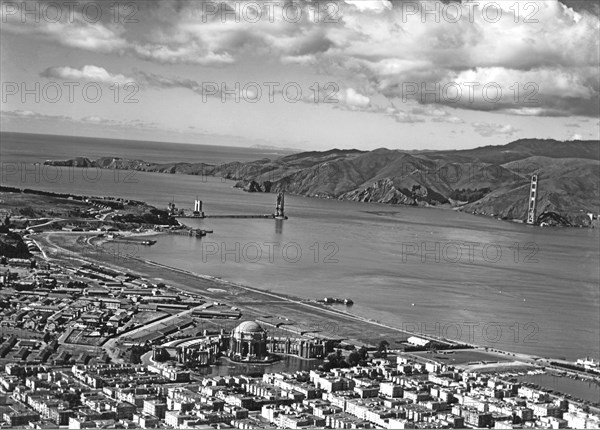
{"x":260,"y":305}
{"x":220,"y":288}
{"x":216,"y":287}
{"x":444,"y":207}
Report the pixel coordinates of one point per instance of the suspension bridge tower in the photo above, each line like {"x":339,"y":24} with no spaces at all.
{"x":198,"y":208}
{"x":532,"y":200}
{"x":279,"y":206}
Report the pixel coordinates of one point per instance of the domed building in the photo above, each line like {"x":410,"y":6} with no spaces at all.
{"x":248,"y":342}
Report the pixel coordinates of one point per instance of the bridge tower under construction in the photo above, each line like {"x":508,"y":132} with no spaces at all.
{"x":279,"y":207}
{"x":198,"y":208}
{"x":532,"y":200}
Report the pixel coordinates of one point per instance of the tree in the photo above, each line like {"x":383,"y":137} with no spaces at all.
{"x":334,"y":360}
{"x":332,"y":357}
{"x":382,"y":348}
{"x":364,"y":353}
{"x":354,"y":358}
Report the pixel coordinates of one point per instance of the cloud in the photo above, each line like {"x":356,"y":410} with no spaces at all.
{"x":206,"y":89}
{"x":125,"y":124}
{"x":356,"y":100}
{"x":371,"y":45}
{"x":93,"y":120}
{"x":401,"y":116}
{"x":370,"y":5}
{"x":182,"y":54}
{"x":28,"y":114}
{"x":576,"y":136}
{"x":304,"y":60}
{"x":448,"y":119}
{"x":487,"y":129}
{"x":74,"y":30}
{"x":404,"y":117}
{"x":86,"y":73}
{"x":437,"y":114}
{"x":402,"y":57}
{"x":79,"y":30}
{"x":161,"y":81}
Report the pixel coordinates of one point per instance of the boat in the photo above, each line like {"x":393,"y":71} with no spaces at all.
{"x":148,"y":242}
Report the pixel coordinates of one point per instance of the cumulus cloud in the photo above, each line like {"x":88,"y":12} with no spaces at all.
{"x":487,"y":129}
{"x":549,"y":50}
{"x":109,"y":35}
{"x":505,"y":67}
{"x":370,"y":5}
{"x":356,"y":100}
{"x":74,"y":30}
{"x":86,"y":73}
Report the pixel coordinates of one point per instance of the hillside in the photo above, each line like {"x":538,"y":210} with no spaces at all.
{"x":491,"y":180}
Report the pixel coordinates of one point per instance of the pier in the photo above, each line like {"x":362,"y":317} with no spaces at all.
{"x":190,"y":232}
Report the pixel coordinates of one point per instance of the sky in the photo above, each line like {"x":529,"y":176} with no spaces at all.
{"x":305,"y":75}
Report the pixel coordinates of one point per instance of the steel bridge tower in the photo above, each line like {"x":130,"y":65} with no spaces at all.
{"x":532,"y":200}
{"x":198,"y":208}
{"x":279,"y":207}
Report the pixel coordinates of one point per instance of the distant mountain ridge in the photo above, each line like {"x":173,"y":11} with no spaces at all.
{"x":490,"y":180}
